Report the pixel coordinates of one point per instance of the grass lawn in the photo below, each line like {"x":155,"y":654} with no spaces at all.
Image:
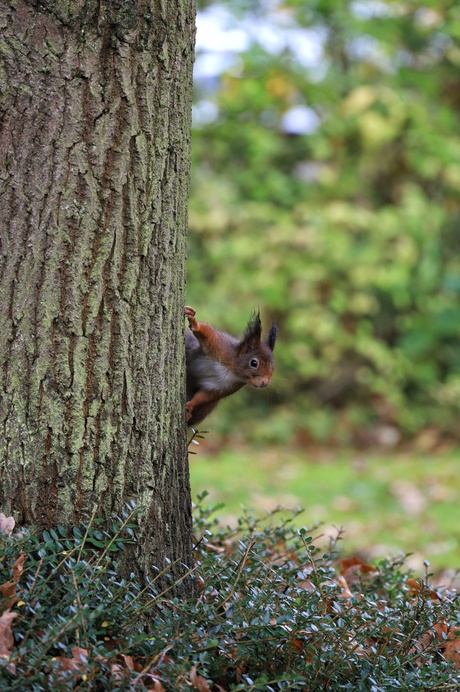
{"x":386,"y":504}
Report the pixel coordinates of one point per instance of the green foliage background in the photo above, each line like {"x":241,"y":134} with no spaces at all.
{"x":349,"y":236}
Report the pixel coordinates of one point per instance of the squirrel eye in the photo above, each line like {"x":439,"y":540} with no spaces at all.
{"x":254,"y":363}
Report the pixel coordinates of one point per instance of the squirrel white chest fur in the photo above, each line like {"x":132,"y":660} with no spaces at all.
{"x":214,"y":376}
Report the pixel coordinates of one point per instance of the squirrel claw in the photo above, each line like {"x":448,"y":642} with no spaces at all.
{"x":190,"y":315}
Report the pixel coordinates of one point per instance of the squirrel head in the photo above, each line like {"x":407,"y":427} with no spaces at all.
{"x":255,"y":357}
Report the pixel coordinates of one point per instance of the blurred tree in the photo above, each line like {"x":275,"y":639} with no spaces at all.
{"x":326,"y":189}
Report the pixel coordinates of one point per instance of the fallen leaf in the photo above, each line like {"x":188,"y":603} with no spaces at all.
{"x":307,"y":585}
{"x":18,"y":567}
{"x":418,"y":588}
{"x":239,"y":670}
{"x":214,"y":548}
{"x":411,"y":499}
{"x":351,"y":567}
{"x":78,"y":661}
{"x":342,"y":582}
{"x":6,"y":634}
{"x":6,"y":524}
{"x":155,"y":686}
{"x":8,"y":589}
{"x":117,"y":671}
{"x":297,"y":644}
{"x":198,"y":681}
{"x":452,"y":651}
{"x":302,"y":645}
{"x":432,"y":639}
{"x":128,"y":661}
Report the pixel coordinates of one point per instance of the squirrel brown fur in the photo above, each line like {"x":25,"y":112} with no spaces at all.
{"x":219,"y":364}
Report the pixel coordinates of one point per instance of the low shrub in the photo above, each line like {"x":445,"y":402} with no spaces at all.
{"x":273,"y":613}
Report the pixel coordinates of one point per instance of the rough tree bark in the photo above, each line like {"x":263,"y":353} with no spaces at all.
{"x":95,"y":106}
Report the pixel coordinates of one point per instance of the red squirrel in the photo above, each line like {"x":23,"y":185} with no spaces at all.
{"x":219,"y":364}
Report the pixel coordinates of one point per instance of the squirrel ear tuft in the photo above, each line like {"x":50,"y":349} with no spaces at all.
{"x":253,"y":333}
{"x":271,"y":340}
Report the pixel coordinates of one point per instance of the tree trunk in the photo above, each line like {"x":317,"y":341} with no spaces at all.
{"x":95,"y":103}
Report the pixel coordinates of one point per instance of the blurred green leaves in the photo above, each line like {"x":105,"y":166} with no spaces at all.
{"x":348,"y":235}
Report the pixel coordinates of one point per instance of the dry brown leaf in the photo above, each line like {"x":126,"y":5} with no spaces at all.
{"x":283,"y":554}
{"x":18,"y":567}
{"x":8,"y":589}
{"x":239,"y":670}
{"x":418,"y":588}
{"x":440,"y":637}
{"x":6,"y":524}
{"x":78,"y":661}
{"x":128,"y":661}
{"x":6,"y":634}
{"x":342,"y":582}
{"x":439,"y":630}
{"x":146,"y":680}
{"x":352,"y":567}
{"x":155,"y":686}
{"x":297,"y":644}
{"x":198,"y":681}
{"x":307,"y":585}
{"x":411,"y":499}
{"x":433,"y":639}
{"x":452,"y":651}
{"x":356,"y":648}
{"x":215,"y":548}
{"x":117,"y":671}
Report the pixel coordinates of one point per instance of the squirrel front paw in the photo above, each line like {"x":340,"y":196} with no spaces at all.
{"x":188,"y":412}
{"x":190,"y":315}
